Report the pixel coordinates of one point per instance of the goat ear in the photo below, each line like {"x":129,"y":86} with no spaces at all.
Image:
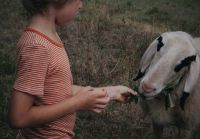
{"x":147,"y":57}
{"x":192,"y":76}
{"x":146,"y":61}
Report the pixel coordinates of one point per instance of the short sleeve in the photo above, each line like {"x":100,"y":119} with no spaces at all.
{"x":32,"y":67}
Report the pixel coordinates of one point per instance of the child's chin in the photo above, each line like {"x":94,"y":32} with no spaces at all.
{"x":63,"y":24}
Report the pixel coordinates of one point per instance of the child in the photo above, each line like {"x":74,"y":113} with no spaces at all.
{"x":44,"y":100}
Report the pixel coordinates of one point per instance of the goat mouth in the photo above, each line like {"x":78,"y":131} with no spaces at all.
{"x":151,"y":95}
{"x":149,"y":98}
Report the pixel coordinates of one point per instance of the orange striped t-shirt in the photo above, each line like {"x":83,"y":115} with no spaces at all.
{"x":43,"y":70}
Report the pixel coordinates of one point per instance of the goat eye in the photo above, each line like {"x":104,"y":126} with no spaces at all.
{"x":185,"y":62}
{"x":160,"y":43}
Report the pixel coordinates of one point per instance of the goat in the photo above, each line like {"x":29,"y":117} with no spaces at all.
{"x":171,"y":60}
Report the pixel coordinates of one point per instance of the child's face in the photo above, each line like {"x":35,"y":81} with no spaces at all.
{"x":68,"y":12}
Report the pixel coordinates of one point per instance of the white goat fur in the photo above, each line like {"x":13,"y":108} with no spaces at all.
{"x":177,"y":46}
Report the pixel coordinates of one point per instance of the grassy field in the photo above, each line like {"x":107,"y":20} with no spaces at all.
{"x":104,"y":44}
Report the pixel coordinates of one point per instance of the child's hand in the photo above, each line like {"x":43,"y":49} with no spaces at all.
{"x":92,"y":99}
{"x":120,"y":93}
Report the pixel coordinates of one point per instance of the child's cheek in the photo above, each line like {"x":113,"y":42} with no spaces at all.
{"x":68,"y":17}
{"x":65,"y":19}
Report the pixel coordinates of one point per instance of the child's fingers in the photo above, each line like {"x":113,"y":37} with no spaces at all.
{"x":97,"y":110}
{"x":103,"y":101}
{"x":88,"y":88}
{"x":124,"y":89}
{"x":123,"y":97}
{"x":100,"y":93}
{"x":126,"y":95}
{"x":100,"y":106}
{"x":132,"y":92}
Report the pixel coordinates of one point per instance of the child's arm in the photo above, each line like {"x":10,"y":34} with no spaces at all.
{"x":23,"y":113}
{"x":75,"y":89}
{"x":119,"y":93}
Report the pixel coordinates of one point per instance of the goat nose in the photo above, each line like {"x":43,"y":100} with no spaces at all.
{"x":147,"y":88}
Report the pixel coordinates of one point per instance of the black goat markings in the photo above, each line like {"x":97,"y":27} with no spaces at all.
{"x":160,"y":43}
{"x":139,"y":75}
{"x":185,"y":62}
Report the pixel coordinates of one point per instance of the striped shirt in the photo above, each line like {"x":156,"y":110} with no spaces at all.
{"x":43,"y":70}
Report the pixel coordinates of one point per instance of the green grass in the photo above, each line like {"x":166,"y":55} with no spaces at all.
{"x":104,"y":45}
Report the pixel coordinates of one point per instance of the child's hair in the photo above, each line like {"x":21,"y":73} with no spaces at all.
{"x":38,"y":6}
